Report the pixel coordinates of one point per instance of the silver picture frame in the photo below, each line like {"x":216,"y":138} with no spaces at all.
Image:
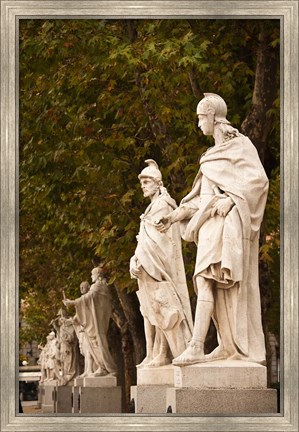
{"x":11,"y":12}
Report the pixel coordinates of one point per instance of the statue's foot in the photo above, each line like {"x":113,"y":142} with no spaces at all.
{"x":238,"y":356}
{"x":100,"y":372}
{"x":84,"y":374}
{"x":217,"y":354}
{"x":145,"y":361}
{"x":192,"y":355}
{"x":159,"y":360}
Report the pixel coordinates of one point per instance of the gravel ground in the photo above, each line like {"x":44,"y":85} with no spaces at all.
{"x":31,"y":409}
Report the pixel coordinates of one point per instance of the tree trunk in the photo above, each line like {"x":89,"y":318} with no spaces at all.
{"x":257,"y":124}
{"x":125,"y":316}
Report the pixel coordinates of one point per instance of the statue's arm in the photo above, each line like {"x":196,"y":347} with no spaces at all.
{"x":181,"y":213}
{"x":68,"y":302}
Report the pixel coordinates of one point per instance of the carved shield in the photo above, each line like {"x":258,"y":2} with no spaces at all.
{"x":160,"y":304}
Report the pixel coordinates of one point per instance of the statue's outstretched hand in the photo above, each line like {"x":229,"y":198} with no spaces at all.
{"x":163,"y":224}
{"x":222,"y":207}
{"x":67,"y":302}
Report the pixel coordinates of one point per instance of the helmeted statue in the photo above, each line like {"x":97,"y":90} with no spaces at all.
{"x":158,"y":266}
{"x":222,"y":214}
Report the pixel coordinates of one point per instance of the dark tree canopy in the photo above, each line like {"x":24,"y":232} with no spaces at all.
{"x":97,"y":98}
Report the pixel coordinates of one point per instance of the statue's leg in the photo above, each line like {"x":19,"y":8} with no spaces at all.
{"x":88,"y":363}
{"x":194,"y":353}
{"x":150,"y":332}
{"x":162,"y":358}
{"x":225,"y":304}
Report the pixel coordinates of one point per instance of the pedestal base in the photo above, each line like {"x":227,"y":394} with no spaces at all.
{"x":78,"y":382}
{"x":149,"y":399}
{"x":63,"y":402}
{"x":221,"y":401}
{"x":47,"y":389}
{"x":222,"y":387}
{"x":94,"y":400}
{"x":102,"y":381}
{"x":150,"y":392}
{"x":223,"y":374}
{"x":162,"y":375}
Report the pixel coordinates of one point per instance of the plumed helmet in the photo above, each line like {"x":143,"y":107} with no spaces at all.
{"x":216,"y":103}
{"x":152,"y":170}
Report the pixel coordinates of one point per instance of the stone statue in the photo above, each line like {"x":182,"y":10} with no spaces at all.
{"x":158,"y":266}
{"x":52,"y":357}
{"x":222,"y":214}
{"x":93,"y":312}
{"x":89,"y":365}
{"x":68,"y":347}
{"x":42,"y":362}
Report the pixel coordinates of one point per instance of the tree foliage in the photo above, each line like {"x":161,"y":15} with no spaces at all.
{"x":97,"y":98}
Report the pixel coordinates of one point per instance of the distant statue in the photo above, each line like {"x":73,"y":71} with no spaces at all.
{"x":68,"y":347}
{"x":52,"y":357}
{"x":222,"y":214}
{"x":93,"y":313}
{"x":42,"y":362}
{"x":159,"y":268}
{"x":89,"y":364}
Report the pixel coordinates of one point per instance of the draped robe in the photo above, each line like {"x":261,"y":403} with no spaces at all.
{"x":227,"y":247}
{"x":93,"y":312}
{"x":163,"y":292}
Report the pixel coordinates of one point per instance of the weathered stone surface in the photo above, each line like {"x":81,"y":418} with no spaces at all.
{"x":222,"y":374}
{"x":221,"y":401}
{"x":149,"y":399}
{"x":75,"y":399}
{"x":47,"y":389}
{"x":63,"y":399}
{"x":99,"y":400}
{"x":163,"y":375}
{"x":104,"y":381}
{"x":78,"y":382}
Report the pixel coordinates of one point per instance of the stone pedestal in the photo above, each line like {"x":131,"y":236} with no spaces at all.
{"x":221,"y":387}
{"x":149,"y":395}
{"x":99,"y":395}
{"x":222,"y":401}
{"x":63,"y":399}
{"x":78,"y":382}
{"x":104,"y":381}
{"x":221,"y":374}
{"x":47,"y":390}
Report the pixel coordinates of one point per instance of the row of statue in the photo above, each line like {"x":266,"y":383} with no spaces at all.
{"x":85,"y":333}
{"x":222,"y":215}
